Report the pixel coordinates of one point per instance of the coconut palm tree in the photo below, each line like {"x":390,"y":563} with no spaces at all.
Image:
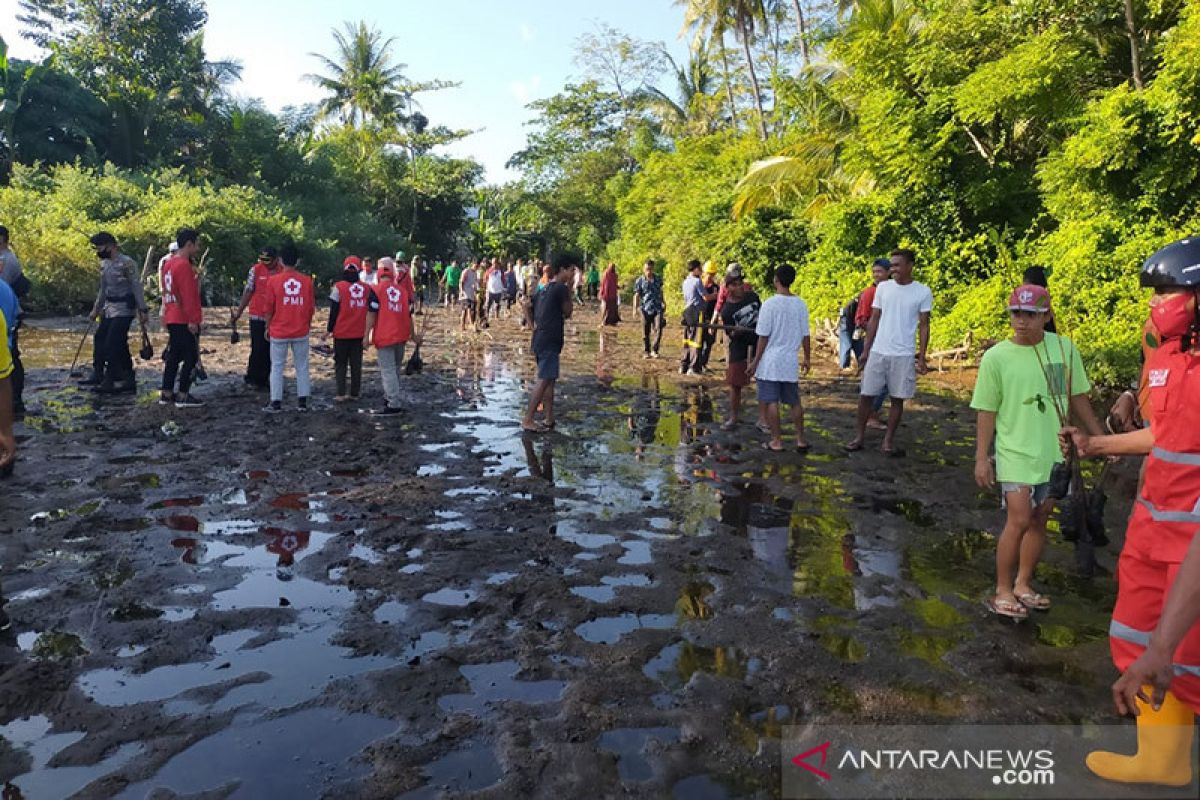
{"x":813,"y":170}
{"x":714,"y":18}
{"x":691,"y":111}
{"x":362,"y":82}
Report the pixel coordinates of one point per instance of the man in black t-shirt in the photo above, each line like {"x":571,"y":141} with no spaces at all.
{"x":739,"y":315}
{"x":550,"y":309}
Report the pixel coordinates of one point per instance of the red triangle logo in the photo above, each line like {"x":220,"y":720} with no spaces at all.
{"x":802,"y":760}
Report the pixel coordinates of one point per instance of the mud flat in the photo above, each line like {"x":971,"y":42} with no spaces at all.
{"x":212,"y":602}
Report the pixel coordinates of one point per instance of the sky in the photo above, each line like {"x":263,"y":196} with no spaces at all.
{"x":504,"y":52}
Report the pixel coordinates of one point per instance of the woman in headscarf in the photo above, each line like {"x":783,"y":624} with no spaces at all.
{"x":608,"y":296}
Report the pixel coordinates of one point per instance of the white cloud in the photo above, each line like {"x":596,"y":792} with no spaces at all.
{"x":524,"y":91}
{"x":528,"y":34}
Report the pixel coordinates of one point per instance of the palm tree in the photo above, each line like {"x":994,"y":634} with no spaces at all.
{"x":813,"y":170}
{"x":716,"y":17}
{"x":690,"y":111}
{"x":362,"y":82}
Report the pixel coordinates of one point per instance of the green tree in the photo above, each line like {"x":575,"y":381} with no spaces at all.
{"x":714,"y":18}
{"x":362,"y":82}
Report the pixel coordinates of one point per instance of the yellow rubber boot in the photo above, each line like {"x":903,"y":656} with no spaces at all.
{"x":1164,"y":751}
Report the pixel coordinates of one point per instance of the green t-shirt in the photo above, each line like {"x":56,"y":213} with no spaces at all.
{"x":453,"y":275}
{"x":593,"y":275}
{"x":1015,"y":385}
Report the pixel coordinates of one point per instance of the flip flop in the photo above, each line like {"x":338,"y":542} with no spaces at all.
{"x":1006,"y":608}
{"x":767,"y":446}
{"x":803,"y":448}
{"x":728,"y":425}
{"x":894,"y":452}
{"x":1034,"y":601}
{"x":537,"y":428}
{"x":763,"y":428}
{"x":852,"y":447}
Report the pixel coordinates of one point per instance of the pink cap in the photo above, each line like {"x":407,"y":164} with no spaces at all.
{"x":1029,"y":298}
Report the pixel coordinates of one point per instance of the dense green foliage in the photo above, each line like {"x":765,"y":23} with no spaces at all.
{"x":989,"y":136}
{"x":126,"y":126}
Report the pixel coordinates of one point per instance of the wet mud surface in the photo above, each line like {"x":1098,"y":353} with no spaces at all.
{"x":213,"y":602}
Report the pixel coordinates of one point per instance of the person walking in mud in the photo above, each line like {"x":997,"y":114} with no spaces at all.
{"x":255,"y":298}
{"x":348,"y":326}
{"x":118,"y":301}
{"x":881,"y":270}
{"x":182,"y":315}
{"x":783,"y":332}
{"x":708,"y":315}
{"x":12,"y":274}
{"x":389,"y":327}
{"x":450,"y":280}
{"x":739,"y":316}
{"x":610,"y":290}
{"x":693,"y":308}
{"x":468,"y":287}
{"x":648,"y":298}
{"x":548,"y":313}
{"x":899,"y":312}
{"x":289,"y":309}
{"x":1028,"y":386}
{"x":1153,"y":637}
{"x":9,"y":310}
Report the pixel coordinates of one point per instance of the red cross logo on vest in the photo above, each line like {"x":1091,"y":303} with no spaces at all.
{"x":357,"y":291}
{"x":393,"y":295}
{"x":291,"y":287}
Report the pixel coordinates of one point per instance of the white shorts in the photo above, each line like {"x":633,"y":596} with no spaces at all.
{"x":895,"y":374}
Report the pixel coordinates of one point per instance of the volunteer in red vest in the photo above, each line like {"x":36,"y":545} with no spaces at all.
{"x":348,"y":324}
{"x":1164,"y":525}
{"x":389,"y":327}
{"x":254,"y":298}
{"x":181,"y":314}
{"x":290,"y":306}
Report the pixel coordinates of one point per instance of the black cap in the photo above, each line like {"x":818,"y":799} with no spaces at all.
{"x":102,"y":239}
{"x":1177,"y":264}
{"x":267,"y":252}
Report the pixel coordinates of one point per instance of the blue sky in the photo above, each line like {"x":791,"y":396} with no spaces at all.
{"x":504,"y":52}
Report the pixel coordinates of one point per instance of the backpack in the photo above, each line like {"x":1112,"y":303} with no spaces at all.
{"x":849,"y":311}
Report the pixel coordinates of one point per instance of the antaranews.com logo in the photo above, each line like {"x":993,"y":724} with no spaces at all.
{"x":953,"y":761}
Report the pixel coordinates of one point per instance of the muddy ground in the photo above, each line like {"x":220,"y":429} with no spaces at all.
{"x":213,"y":602}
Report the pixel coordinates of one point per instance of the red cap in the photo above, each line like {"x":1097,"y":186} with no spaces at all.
{"x":352,"y":261}
{"x":1029,"y":298}
{"x":385,"y":272}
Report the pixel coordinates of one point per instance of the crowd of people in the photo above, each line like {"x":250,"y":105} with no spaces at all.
{"x":1034,"y":420}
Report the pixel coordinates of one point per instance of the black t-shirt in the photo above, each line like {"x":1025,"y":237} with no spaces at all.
{"x":548,"y":318}
{"x":742,"y":315}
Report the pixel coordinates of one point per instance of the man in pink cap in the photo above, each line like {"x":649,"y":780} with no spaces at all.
{"x":1028,"y":388}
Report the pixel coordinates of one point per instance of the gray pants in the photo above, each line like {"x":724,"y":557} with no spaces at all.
{"x":391,"y":361}
{"x":279,"y":351}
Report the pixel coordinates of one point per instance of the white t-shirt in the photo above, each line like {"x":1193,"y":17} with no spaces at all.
{"x":900,"y":309}
{"x":784,"y":318}
{"x":469,"y":284}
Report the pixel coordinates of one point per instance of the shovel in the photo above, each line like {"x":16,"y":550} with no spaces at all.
{"x":75,"y":373}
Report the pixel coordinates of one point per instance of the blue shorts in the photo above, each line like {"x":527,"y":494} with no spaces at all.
{"x":779,"y":392}
{"x":547,"y":366}
{"x":1038,"y":493}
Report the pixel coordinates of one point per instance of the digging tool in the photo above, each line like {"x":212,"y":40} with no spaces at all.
{"x":415,"y":363}
{"x":147,"y":351}
{"x":75,"y":373}
{"x":200,"y":372}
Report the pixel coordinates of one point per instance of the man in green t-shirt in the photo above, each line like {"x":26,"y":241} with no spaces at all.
{"x":450,"y":280}
{"x":1027,"y":389}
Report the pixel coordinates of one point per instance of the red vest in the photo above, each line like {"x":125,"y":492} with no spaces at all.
{"x":290,"y":304}
{"x":1171,"y":488}
{"x":180,"y":293}
{"x":259,"y":302}
{"x":393,"y":322}
{"x":352,"y":310}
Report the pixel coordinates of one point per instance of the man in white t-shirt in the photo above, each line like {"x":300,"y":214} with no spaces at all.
{"x":782,"y":333}
{"x":891,"y":360}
